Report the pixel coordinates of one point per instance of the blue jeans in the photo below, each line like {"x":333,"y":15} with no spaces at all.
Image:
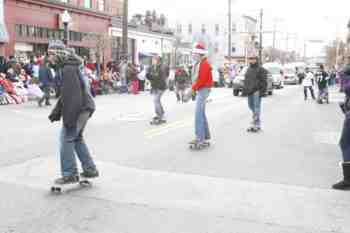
{"x":201,"y":122}
{"x":158,"y":107}
{"x":71,"y":143}
{"x":254,"y":103}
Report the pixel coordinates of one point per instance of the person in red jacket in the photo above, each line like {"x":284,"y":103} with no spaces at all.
{"x":202,"y":82}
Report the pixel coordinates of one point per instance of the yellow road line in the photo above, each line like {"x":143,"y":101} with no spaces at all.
{"x":167,"y":130}
{"x":168,"y":125}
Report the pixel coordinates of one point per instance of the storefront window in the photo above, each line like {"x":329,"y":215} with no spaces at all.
{"x":30,"y":31}
{"x":45,"y":33}
{"x":51,"y":34}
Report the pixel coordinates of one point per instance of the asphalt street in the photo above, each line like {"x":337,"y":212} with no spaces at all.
{"x":276,"y":181}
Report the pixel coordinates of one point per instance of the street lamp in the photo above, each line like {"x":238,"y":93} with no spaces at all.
{"x":66,"y":18}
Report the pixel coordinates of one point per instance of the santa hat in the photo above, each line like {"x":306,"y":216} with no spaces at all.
{"x":199,"y":49}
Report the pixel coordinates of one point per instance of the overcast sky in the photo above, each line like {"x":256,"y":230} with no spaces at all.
{"x":310,"y":19}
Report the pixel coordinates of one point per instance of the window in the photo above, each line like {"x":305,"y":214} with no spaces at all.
{"x":234,"y":27}
{"x":203,"y":29}
{"x":45,"y":33}
{"x":217,"y":29}
{"x":179,"y":28}
{"x":51,"y":33}
{"x":18,"y":30}
{"x":31,"y":31}
{"x":190,"y":29}
{"x":101,"y":5}
{"x":87,"y":4}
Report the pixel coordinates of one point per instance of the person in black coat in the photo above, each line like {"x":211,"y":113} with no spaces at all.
{"x":255,"y":84}
{"x":75,"y":106}
{"x":345,"y":136}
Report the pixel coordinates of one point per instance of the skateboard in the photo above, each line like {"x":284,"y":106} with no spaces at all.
{"x":199,"y":146}
{"x":157,"y":122}
{"x":253,"y":130}
{"x":60,"y":188}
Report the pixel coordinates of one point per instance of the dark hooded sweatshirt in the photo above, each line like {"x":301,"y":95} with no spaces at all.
{"x":75,"y":95}
{"x":255,"y":80}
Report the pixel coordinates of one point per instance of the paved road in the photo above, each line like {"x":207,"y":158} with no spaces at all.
{"x":275,"y":181}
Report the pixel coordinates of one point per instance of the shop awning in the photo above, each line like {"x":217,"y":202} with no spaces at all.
{"x":143,"y":55}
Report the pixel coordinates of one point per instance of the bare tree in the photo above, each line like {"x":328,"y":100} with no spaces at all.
{"x":148,"y":19}
{"x":101,"y":44}
{"x":332,"y":50}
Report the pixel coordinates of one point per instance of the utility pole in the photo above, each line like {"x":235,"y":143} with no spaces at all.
{"x":125,"y":43}
{"x":229,"y":29}
{"x":304,"y":51}
{"x":261,"y":36}
{"x":274,"y":36}
{"x":287,"y":42}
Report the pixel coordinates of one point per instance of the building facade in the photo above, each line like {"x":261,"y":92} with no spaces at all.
{"x":31,"y":24}
{"x":214,"y":34}
{"x":143,"y":44}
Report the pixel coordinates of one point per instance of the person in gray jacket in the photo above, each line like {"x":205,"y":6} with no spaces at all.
{"x":255,"y":84}
{"x":75,"y":106}
{"x":158,"y":74}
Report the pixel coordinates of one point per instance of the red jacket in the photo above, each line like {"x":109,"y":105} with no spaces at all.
{"x":205,"y":78}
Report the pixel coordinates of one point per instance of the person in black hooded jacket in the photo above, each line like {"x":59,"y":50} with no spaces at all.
{"x":345,"y":135}
{"x":75,"y":106}
{"x":255,"y":84}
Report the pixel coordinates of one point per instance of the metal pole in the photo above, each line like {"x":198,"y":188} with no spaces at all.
{"x":261,"y":36}
{"x":337,"y":54}
{"x":65,"y":39}
{"x":304,"y":51}
{"x":229,"y":29}
{"x":274,"y":36}
{"x":125,"y":40}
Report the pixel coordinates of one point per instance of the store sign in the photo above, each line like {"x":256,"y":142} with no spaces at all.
{"x":23,"y":47}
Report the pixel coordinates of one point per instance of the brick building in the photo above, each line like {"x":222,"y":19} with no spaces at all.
{"x":32,"y":23}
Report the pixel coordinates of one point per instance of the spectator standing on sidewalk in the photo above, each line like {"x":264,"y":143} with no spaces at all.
{"x":46,"y":81}
{"x":76,"y":107}
{"x":132,"y":73}
{"x":158,"y":75}
{"x":142,"y":77}
{"x":308,"y":83}
{"x":202,"y":83}
{"x":255,"y":84}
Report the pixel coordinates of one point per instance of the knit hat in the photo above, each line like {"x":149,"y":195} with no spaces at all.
{"x":252,"y":54}
{"x":199,"y":49}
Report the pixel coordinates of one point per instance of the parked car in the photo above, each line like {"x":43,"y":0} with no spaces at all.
{"x":276,"y":70}
{"x":238,"y":83}
{"x":290,"y":77}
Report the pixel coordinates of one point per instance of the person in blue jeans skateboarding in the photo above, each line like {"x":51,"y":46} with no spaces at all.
{"x":202,"y":82}
{"x":255,"y":84}
{"x":75,"y":106}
